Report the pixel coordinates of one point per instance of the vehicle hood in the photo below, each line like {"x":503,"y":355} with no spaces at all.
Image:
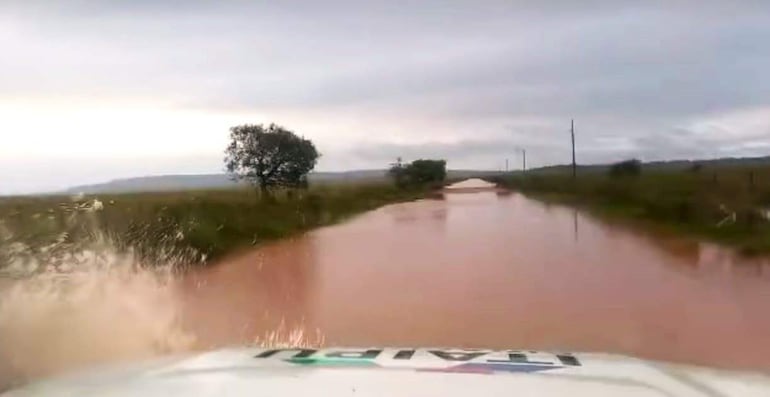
{"x":399,"y":372}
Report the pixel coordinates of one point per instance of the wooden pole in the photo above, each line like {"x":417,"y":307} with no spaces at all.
{"x":574,"y":161}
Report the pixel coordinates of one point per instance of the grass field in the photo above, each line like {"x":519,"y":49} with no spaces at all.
{"x":198,"y":227}
{"x":728,"y":204}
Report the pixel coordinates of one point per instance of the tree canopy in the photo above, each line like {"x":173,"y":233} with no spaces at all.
{"x":418,"y":172}
{"x":269,"y":156}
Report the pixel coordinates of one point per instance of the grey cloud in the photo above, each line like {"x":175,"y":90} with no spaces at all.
{"x":549,"y":146}
{"x":684,"y":144}
{"x":489,"y":154}
{"x":632,"y":73}
{"x":484,"y":58}
{"x":491,"y":57}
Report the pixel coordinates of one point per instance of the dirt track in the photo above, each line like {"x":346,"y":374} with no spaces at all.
{"x":492,"y":269}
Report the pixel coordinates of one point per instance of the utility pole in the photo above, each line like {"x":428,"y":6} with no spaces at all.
{"x":524,"y":159}
{"x":506,"y":165}
{"x":574,"y":162}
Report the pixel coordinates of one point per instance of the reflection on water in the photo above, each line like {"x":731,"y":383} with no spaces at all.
{"x":575,"y":222}
{"x":255,"y":295}
{"x":493,"y":270}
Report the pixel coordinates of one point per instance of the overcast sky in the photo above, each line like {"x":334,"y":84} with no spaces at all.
{"x":91,"y":91}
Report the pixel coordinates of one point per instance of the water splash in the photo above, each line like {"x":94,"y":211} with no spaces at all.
{"x":286,"y":337}
{"x":86,"y":298}
{"x":105,"y":309}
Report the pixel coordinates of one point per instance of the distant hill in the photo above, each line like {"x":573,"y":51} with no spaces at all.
{"x":165,"y":183}
{"x":157,"y":183}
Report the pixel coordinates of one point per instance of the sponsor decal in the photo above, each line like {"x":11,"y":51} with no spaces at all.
{"x":427,"y":360}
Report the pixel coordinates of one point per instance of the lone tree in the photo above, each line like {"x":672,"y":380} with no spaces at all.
{"x":396,"y":172}
{"x":427,"y":171}
{"x":269,"y":156}
{"x":418,"y":172}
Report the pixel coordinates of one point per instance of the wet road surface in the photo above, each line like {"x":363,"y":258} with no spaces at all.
{"x":486,"y":268}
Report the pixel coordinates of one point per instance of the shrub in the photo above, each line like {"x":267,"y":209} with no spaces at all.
{"x":418,"y":172}
{"x":626,"y":168}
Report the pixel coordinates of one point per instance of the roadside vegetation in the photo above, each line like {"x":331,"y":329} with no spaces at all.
{"x":418,"y":173}
{"x":726,"y":201}
{"x":198,"y":227}
{"x":269,"y":157}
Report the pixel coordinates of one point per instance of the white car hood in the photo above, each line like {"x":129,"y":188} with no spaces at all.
{"x":399,"y":372}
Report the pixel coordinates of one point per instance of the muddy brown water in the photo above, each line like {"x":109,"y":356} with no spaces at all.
{"x":486,"y":268}
{"x":474,"y":267}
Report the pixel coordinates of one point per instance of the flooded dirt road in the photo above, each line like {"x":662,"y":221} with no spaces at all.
{"x":473,"y":268}
{"x":483,"y":268}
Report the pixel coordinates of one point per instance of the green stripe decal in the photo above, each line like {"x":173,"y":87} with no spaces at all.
{"x":331,"y":362}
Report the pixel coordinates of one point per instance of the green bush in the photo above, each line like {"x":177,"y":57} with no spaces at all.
{"x":626,"y":168}
{"x":419,"y":172}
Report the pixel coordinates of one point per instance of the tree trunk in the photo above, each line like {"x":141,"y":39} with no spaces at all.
{"x":264,"y":192}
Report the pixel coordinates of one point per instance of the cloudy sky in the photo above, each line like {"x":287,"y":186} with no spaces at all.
{"x":91,"y":91}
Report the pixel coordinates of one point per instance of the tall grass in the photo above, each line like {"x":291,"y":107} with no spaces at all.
{"x":200,"y":225}
{"x":728,"y":204}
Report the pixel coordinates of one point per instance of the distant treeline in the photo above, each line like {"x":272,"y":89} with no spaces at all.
{"x":726,"y":199}
{"x":671,"y":165}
